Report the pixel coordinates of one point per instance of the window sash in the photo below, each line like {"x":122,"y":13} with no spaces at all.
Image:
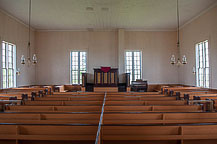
{"x":8,"y":65}
{"x":78,"y":66}
{"x":202,"y":64}
{"x":133,"y":64}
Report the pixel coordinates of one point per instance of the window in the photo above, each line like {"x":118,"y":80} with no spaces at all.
{"x":202,"y":64}
{"x":8,"y":65}
{"x":133,"y":64}
{"x":78,"y":66}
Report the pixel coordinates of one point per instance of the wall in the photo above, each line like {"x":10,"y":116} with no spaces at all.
{"x":53,"y":49}
{"x":157,"y":48}
{"x":202,"y":28}
{"x":14,"y":31}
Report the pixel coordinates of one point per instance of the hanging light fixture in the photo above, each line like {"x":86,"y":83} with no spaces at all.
{"x":34,"y":58}
{"x":173,"y":59}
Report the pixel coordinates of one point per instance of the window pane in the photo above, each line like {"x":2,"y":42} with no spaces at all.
{"x":202,"y":61}
{"x":133,"y":64}
{"x":8,"y":66}
{"x":78,"y":66}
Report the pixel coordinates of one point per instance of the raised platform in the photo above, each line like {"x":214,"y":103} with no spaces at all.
{"x":105,"y":89}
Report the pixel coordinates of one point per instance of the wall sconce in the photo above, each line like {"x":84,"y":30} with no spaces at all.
{"x":18,"y":72}
{"x":194,"y":70}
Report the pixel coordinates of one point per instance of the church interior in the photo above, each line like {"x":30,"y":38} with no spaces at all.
{"x":108,"y":71}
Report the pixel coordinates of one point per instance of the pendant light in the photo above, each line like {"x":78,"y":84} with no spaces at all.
{"x":34,"y":58}
{"x":173,"y":59}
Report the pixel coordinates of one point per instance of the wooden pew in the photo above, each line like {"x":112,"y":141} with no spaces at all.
{"x":183,"y":94}
{"x":10,"y":96}
{"x":137,"y":103}
{"x":82,"y":111}
{"x":69,"y":98}
{"x":158,"y":118}
{"x":75,"y":95}
{"x":193,"y":108}
{"x":170,"y":90}
{"x":108,"y":93}
{"x":78,"y":93}
{"x":19,"y":94}
{"x":49,"y":118}
{"x":9,"y":90}
{"x":115,"y":98}
{"x":109,"y":118}
{"x":62,"y":103}
{"x":185,"y":108}
{"x":215,"y":103}
{"x":68,"y":103}
{"x":44,"y":134}
{"x":144,"y":98}
{"x":203,"y":96}
{"x":3,"y":103}
{"x":52,"y":109}
{"x":132,"y":93}
{"x":192,"y":134}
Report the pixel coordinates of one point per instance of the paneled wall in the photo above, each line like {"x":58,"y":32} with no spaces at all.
{"x":200,"y":29}
{"x":53,"y":49}
{"x":13,"y":31}
{"x":157,"y":48}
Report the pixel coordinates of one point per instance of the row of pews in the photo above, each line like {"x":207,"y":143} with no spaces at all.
{"x":170,"y":116}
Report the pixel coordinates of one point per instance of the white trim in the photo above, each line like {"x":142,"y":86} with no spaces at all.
{"x":76,"y":30}
{"x":1,"y":84}
{"x":151,"y":29}
{"x":104,"y":30}
{"x":15,"y":65}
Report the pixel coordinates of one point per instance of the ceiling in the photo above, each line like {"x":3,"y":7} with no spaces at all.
{"x":105,"y":14}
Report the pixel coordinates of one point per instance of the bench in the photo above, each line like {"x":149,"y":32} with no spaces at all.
{"x":158,"y":118}
{"x":160,"y":134}
{"x":49,"y":118}
{"x":193,"y":108}
{"x":44,"y":134}
{"x":71,"y":103}
{"x":12,"y":108}
{"x":170,"y":90}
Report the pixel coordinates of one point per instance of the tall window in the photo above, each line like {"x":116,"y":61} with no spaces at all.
{"x":133,"y":64}
{"x":202,"y":64}
{"x":8,"y":65}
{"x":78,"y":66}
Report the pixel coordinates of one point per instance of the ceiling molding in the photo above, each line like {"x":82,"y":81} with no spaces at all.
{"x":16,"y":19}
{"x":169,"y":29}
{"x":74,"y":30}
{"x":116,"y":29}
{"x":200,"y":14}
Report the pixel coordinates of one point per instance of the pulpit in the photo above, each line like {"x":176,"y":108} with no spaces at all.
{"x":106,"y":77}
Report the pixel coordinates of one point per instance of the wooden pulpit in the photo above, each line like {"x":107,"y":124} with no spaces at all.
{"x":106,"y":77}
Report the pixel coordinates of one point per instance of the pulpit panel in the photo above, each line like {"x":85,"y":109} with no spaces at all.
{"x":106,"y":78}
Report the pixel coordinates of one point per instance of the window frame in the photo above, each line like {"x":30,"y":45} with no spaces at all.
{"x":79,"y":76}
{"x":7,"y":67}
{"x":132,"y":76}
{"x":202,"y":66}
